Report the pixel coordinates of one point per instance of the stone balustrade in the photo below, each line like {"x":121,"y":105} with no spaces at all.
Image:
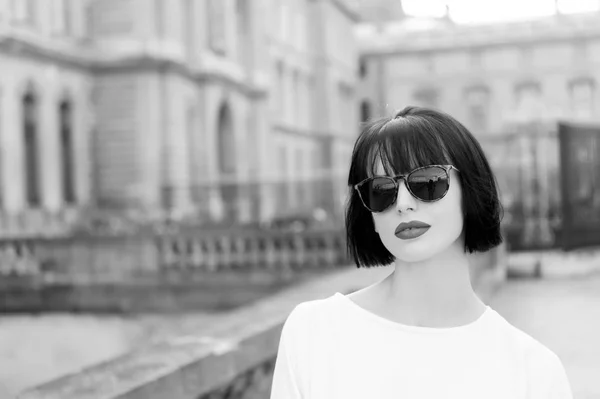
{"x":183,"y":270}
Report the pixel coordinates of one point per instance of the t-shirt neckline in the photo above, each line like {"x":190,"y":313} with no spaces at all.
{"x":410,"y":328}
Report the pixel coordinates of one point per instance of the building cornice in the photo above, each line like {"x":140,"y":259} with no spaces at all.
{"x":316,"y":134}
{"x":71,"y":57}
{"x":469,"y":38}
{"x":137,"y":60}
{"x":349,"y":11}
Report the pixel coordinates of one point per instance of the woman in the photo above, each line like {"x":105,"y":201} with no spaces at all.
{"x":423,"y":197}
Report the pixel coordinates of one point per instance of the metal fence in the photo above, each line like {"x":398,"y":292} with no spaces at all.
{"x":547,"y":173}
{"x":580,"y":184}
{"x":241,"y":202}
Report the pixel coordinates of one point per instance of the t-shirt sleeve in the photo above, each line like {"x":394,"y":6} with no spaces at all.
{"x":285,"y":377}
{"x":551,"y":381}
{"x":560,"y":388}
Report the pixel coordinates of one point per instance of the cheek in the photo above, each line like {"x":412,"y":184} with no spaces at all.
{"x":382,"y":222}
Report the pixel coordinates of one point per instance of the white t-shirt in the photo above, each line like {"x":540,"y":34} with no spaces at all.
{"x":334,"y":349}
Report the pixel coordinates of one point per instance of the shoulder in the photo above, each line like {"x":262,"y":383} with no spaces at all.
{"x":544,"y":368}
{"x":532,"y":349}
{"x":309,"y":315}
{"x":311,"y":310}
{"x":536,"y":353}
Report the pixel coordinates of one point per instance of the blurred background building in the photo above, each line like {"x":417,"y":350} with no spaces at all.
{"x":486,"y":75}
{"x":510,"y":83}
{"x":206,"y":110}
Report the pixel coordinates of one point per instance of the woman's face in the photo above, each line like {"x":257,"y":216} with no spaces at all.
{"x":445,"y":218}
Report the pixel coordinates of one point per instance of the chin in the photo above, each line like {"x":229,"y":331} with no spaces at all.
{"x":417,"y":250}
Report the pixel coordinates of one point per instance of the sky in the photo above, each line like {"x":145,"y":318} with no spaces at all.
{"x":486,"y":11}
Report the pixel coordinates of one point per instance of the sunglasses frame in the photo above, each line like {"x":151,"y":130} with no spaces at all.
{"x":446,"y":168}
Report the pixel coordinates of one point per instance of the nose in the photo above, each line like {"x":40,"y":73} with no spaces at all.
{"x":405,"y":200}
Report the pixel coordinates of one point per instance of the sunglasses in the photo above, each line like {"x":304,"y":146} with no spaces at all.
{"x":427,"y":183}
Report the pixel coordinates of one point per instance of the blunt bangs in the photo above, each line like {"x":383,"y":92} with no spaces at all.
{"x":417,"y":137}
{"x":399,"y":145}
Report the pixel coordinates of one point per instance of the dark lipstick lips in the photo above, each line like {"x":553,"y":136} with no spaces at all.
{"x":415,"y":224}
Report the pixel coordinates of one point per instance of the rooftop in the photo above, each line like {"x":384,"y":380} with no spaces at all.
{"x":433,"y":34}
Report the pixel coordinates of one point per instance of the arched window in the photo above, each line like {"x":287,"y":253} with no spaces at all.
{"x":31,"y":153}
{"x":227,"y":163}
{"x":582,"y":97}
{"x":25,"y":11}
{"x":295,"y":103}
{"x":196,"y":153}
{"x":241,"y":12}
{"x":426,"y":97}
{"x":67,"y":151}
{"x":216,"y":26}
{"x":189,"y":25}
{"x":365,"y":111}
{"x":62,"y":16}
{"x":1,"y":155}
{"x":529,"y":101}
{"x":362,"y":68}
{"x":225,"y":139}
{"x":477,"y":99}
{"x":280,"y":94}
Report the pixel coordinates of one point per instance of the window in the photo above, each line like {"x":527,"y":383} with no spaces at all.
{"x":216,"y":26}
{"x":24,"y":10}
{"x":242,"y":28}
{"x":582,"y":98}
{"x":4,"y":11}
{"x":529,"y":101}
{"x":299,"y":174}
{"x":365,"y":111}
{"x":310,"y":103}
{"x":32,"y":172}
{"x":286,"y":95}
{"x":281,"y":92}
{"x":285,"y":183}
{"x":1,"y":155}
{"x":189,"y":34}
{"x":478,"y":99}
{"x":284,"y":20}
{"x":301,"y":21}
{"x":67,"y":151}
{"x":62,"y":21}
{"x":226,"y":142}
{"x":195,"y":153}
{"x":362,"y":68}
{"x":295,"y":98}
{"x":346,"y":109}
{"x":426,"y":97}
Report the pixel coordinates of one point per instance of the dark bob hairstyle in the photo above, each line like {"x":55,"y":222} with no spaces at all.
{"x":417,"y":137}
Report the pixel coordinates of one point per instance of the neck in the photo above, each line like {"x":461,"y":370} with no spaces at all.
{"x":435,"y":291}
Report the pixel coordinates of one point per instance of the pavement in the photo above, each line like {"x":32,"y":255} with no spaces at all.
{"x":562,"y":313}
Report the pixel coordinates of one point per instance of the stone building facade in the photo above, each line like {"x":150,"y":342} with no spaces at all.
{"x":488,"y":76}
{"x":185,"y":108}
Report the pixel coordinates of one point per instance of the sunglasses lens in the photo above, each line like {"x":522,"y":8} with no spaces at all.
{"x":378,"y":193}
{"x":429,"y":184}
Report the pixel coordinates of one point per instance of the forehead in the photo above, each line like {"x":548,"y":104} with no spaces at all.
{"x":379,"y":169}
{"x":399,"y":150}
{"x":391,"y":170}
